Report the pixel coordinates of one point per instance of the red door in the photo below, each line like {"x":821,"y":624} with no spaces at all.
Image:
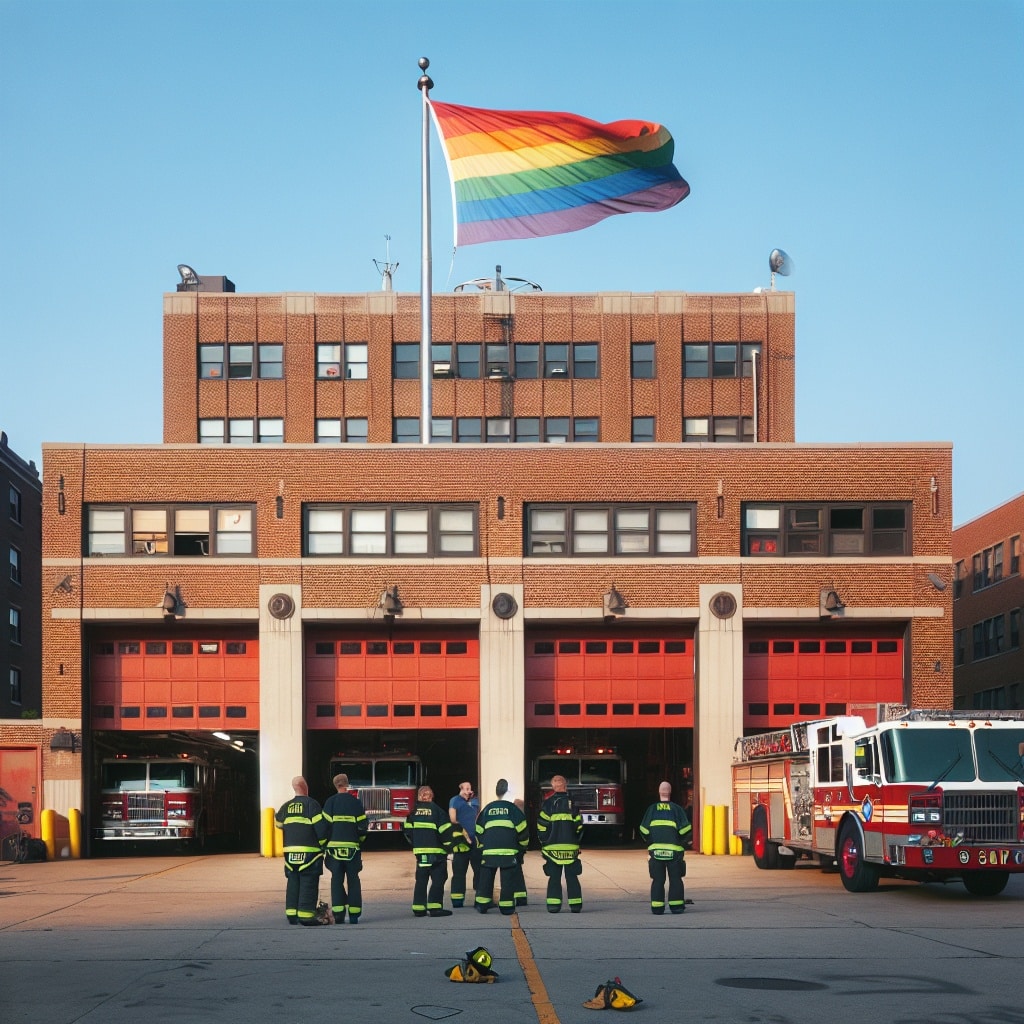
{"x":19,"y":792}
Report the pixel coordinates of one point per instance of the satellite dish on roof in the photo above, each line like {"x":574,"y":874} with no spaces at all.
{"x":779,"y":262}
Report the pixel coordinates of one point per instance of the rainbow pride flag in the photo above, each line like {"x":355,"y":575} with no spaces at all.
{"x":526,"y":174}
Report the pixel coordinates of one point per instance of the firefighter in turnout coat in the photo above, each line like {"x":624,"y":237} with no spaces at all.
{"x":559,"y":827}
{"x":431,"y":836}
{"x":346,"y":817}
{"x":305,"y":832}
{"x":666,"y":831}
{"x":503,"y":836}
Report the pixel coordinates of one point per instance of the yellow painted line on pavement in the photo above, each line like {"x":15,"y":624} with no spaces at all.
{"x":538,"y":993}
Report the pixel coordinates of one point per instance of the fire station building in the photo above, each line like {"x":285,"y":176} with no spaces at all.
{"x":611,"y":537}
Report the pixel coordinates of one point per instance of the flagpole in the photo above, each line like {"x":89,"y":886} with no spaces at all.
{"x":425,"y":84}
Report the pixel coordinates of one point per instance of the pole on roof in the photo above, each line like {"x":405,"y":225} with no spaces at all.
{"x":425,"y":84}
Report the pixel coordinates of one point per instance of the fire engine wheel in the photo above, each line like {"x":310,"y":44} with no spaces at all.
{"x":985,"y":883}
{"x":856,"y":873}
{"x":766,"y":853}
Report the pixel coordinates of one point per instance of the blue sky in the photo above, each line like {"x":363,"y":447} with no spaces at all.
{"x":879,"y":144}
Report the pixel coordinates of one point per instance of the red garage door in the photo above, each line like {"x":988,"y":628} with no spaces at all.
{"x":208,"y":682}
{"x":792,"y":678}
{"x":614,"y":683}
{"x":425,"y":680}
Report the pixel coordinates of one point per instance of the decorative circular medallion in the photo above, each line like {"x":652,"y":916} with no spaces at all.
{"x":281,"y":606}
{"x":723,"y":605}
{"x":504,"y":606}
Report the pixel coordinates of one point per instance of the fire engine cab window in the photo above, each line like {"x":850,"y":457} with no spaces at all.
{"x":927,"y":755}
{"x":1000,"y":754}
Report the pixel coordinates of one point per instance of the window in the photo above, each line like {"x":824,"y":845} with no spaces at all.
{"x":441,"y":360}
{"x":496,"y":360}
{"x":406,"y":361}
{"x":397,"y":531}
{"x":748,"y":350}
{"x":997,"y":563}
{"x":958,"y":580}
{"x":556,"y":428}
{"x":959,"y":651}
{"x":695,"y":429}
{"x":330,"y":431}
{"x":584,"y":361}
{"x":988,"y":564}
{"x":527,"y":361}
{"x":1014,"y":556}
{"x":327,"y":431}
{"x":178,"y":530}
{"x":625,"y":530}
{"x":271,"y":361}
{"x":328,"y":361}
{"x":499,"y":430}
{"x":240,"y":362}
{"x":15,"y":620}
{"x":240,"y":431}
{"x":989,"y":637}
{"x":723,"y":360}
{"x":527,"y":428}
{"x":718,"y":428}
{"x":556,"y":360}
{"x":15,"y":685}
{"x":15,"y":565}
{"x":271,"y":430}
{"x":441,"y":429}
{"x":1014,"y":616}
{"x":643,"y":428}
{"x":211,"y":362}
{"x":642,"y":360}
{"x":15,"y":503}
{"x":695,"y":360}
{"x":357,"y":429}
{"x":468,"y":361}
{"x":211,"y":431}
{"x":406,"y":429}
{"x":585,"y":428}
{"x":820,"y":530}
{"x":467,"y":429}
{"x":356,"y":360}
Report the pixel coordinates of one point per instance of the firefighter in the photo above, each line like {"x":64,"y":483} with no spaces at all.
{"x":305,"y":832}
{"x":346,"y":816}
{"x":462,"y":811}
{"x":431,"y":836}
{"x":666,"y":832}
{"x":503,"y":835}
{"x":559,"y":827}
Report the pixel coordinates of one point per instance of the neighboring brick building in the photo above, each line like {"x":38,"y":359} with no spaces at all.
{"x":988,"y":595}
{"x":475,"y":602}
{"x":21,"y":691}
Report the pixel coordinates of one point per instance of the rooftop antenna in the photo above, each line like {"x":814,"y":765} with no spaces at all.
{"x":387,"y":269}
{"x":779,"y":262}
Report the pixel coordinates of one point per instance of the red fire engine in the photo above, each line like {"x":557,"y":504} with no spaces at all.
{"x":595,"y":779}
{"x":385,"y":783}
{"x":168,"y":798}
{"x":928,"y":795}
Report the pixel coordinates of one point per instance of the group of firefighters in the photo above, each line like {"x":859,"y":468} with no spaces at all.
{"x":491,"y":840}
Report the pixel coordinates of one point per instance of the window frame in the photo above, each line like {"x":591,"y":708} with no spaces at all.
{"x":15,"y":684}
{"x":354,"y":367}
{"x":15,"y":563}
{"x":540,"y":530}
{"x":210,"y":360}
{"x":642,"y":365}
{"x":210,"y":547}
{"x":796,"y":538}
{"x":405,"y":368}
{"x":649,"y":436}
{"x":392,"y":533}
{"x":14,"y":621}
{"x":264,"y":362}
{"x":14,"y":508}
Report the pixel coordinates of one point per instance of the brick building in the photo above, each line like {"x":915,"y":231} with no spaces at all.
{"x":292,"y":569}
{"x":988,"y":594}
{"x":21,"y":696}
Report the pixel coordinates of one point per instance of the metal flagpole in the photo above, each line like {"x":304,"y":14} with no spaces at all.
{"x":425,"y":84}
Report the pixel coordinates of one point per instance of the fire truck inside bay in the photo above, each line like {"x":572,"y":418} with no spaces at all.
{"x":386,"y":783}
{"x":596,"y":778}
{"x":924,"y":794}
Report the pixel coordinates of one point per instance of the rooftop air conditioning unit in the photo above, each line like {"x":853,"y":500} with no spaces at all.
{"x":497,"y":371}
{"x":442,"y":370}
{"x":559,"y":371}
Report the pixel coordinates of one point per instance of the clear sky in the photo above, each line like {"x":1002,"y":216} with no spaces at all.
{"x":879,"y":143}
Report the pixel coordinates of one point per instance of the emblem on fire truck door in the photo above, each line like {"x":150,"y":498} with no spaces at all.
{"x":867,"y":808}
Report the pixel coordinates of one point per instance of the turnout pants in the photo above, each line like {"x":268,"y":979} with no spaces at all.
{"x":346,"y":889}
{"x":485,"y":888}
{"x":303,"y":885}
{"x":428,"y":890}
{"x":461,"y":864}
{"x":673,"y":870}
{"x":573,"y":891}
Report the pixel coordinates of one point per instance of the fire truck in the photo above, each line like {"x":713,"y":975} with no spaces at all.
{"x":386,"y":783}
{"x":924,"y":794}
{"x":595,"y":778}
{"x":184,"y":798}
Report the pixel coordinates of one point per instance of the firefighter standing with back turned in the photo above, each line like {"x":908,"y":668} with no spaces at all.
{"x":346,"y":818}
{"x":503,"y":836}
{"x":305,"y":832}
{"x":666,"y":831}
{"x":559,"y":827}
{"x":431,"y":836}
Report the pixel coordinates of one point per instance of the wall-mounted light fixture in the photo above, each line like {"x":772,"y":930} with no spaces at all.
{"x":613,"y":604}
{"x":937,"y":581}
{"x":172,"y":605}
{"x":64,"y":739}
{"x":830,"y":604}
{"x":391,"y":603}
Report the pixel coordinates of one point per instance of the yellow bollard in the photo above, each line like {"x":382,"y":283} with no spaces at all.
{"x":721,"y":819}
{"x":75,"y":831}
{"x":48,"y":832}
{"x":735,"y":846}
{"x":267,"y":830}
{"x":707,"y":832}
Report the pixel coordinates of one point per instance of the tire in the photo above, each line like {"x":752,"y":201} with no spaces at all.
{"x":787,"y":863}
{"x":985,"y":884}
{"x":856,"y":873}
{"x":766,"y":853}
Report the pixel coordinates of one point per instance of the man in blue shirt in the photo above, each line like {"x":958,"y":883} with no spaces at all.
{"x":463,"y":809}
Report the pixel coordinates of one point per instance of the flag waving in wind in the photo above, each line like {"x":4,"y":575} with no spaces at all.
{"x":526,"y":174}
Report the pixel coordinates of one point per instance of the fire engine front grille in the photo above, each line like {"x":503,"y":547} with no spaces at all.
{"x":145,"y":807}
{"x":981,"y":817}
{"x":584,"y":797}
{"x":376,"y":800}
